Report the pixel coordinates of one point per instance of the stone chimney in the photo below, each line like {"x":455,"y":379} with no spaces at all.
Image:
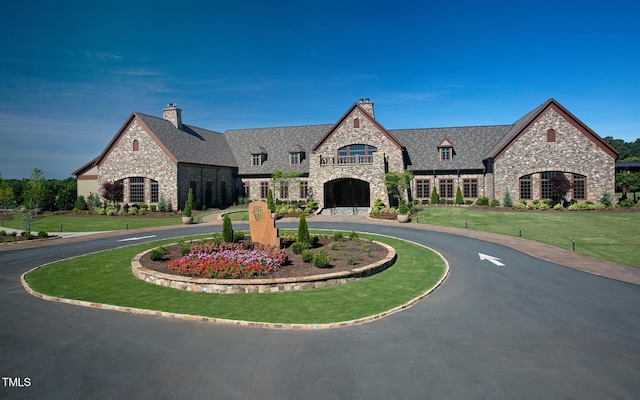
{"x":367,"y":105}
{"x":173,"y":114}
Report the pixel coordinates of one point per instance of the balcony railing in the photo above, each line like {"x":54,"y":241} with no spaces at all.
{"x":346,"y":160}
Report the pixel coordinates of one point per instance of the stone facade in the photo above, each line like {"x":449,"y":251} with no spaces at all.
{"x":388,"y":157}
{"x":572,"y":152}
{"x":548,"y":139}
{"x":201,"y":177}
{"x":148,"y":161}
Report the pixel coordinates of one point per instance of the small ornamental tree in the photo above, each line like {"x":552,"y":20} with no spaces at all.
{"x":559,"y":186}
{"x":270,"y":203}
{"x":303,"y":230}
{"x":459,"y":199}
{"x":188,"y":207}
{"x":227,"y":229}
{"x":112,"y":191}
{"x":435,"y":199}
{"x":506,"y":200}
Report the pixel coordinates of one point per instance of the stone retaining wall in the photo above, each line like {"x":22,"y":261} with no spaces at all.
{"x":231,"y":286}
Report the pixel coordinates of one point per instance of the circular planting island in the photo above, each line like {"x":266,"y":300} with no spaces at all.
{"x":350,"y":260}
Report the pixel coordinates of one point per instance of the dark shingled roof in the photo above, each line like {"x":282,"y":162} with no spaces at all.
{"x":276,"y":144}
{"x":191,"y":144}
{"x":471,"y":146}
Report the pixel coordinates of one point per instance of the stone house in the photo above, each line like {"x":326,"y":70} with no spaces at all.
{"x":343,"y":164}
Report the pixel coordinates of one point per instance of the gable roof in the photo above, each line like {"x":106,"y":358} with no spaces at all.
{"x":367,"y":116}
{"x":521,"y":125}
{"x":187,"y":145}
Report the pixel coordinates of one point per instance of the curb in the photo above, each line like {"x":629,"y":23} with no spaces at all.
{"x":254,"y":324}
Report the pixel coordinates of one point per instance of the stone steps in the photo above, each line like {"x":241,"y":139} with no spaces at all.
{"x":345,"y":211}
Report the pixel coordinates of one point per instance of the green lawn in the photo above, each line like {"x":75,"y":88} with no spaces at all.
{"x":607,"y":235}
{"x":53,"y":223}
{"x":106,"y":278}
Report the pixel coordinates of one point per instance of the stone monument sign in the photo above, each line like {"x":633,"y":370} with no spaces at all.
{"x":262,"y":226}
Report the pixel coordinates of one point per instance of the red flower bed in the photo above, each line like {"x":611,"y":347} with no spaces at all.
{"x":228,"y":260}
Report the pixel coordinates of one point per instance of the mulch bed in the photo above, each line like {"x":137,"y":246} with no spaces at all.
{"x":363,"y":252}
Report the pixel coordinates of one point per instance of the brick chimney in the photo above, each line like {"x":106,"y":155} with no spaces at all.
{"x":367,"y":105}
{"x":173,"y":114}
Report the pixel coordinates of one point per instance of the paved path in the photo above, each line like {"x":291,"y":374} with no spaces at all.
{"x":529,"y":330}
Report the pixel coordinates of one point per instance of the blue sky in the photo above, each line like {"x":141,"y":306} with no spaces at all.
{"x":71,"y":72}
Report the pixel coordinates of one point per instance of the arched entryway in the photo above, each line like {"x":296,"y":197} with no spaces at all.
{"x":347,"y":192}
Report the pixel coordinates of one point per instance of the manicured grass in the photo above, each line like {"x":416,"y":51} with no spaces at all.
{"x":607,"y":235}
{"x":52,"y":223}
{"x":107,"y":278}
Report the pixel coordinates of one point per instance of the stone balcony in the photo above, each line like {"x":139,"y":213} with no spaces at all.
{"x":346,"y":160}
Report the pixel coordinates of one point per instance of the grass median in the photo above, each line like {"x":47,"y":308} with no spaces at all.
{"x":106,"y":278}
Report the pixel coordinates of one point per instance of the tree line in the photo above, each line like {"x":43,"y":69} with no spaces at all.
{"x":629,"y":151}
{"x":39,"y":193}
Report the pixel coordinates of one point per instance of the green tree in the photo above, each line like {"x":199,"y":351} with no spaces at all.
{"x":507,"y":201}
{"x":630,"y":180}
{"x":397,"y":184}
{"x":188,"y":207}
{"x":303,"y":230}
{"x":435,"y":199}
{"x":270,"y":203}
{"x":227,"y":229}
{"x":6,"y":194}
{"x":459,"y":198}
{"x":35,"y":191}
{"x":279,"y":177}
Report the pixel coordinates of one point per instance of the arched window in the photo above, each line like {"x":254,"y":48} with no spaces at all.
{"x":356,"y":154}
{"x":356,"y":123}
{"x":136,"y":145}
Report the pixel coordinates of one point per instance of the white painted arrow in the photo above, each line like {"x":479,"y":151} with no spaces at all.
{"x":136,"y":238}
{"x":491,"y":259}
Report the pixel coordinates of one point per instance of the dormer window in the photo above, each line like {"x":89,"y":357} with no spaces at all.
{"x":445,"y":154}
{"x":256,"y":159}
{"x":294,"y":158}
{"x":446,"y":150}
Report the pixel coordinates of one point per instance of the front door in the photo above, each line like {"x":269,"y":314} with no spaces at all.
{"x":347,"y":193}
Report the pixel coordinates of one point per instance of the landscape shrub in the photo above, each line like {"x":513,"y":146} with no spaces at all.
{"x":482,"y":201}
{"x":544,"y":206}
{"x":307,"y":256}
{"x":303,"y":231}
{"x":435,"y":199}
{"x":425,"y":202}
{"x":627,"y":203}
{"x":507,"y":201}
{"x":157,"y":254}
{"x":3,"y":233}
{"x":495,"y":203}
{"x":153,"y":208}
{"x":142,"y":211}
{"x":122,"y":213}
{"x":185,"y":247}
{"x":354,"y":236}
{"x":558,"y":207}
{"x":100,"y":211}
{"x":459,"y":198}
{"x":338,"y":236}
{"x":607,"y":199}
{"x":352,"y":259}
{"x":80,"y":204}
{"x":334,"y":245}
{"x":322,"y":259}
{"x":238,"y":236}
{"x":132,"y":211}
{"x":299,"y":247}
{"x":43,"y":235}
{"x":227,"y":229}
